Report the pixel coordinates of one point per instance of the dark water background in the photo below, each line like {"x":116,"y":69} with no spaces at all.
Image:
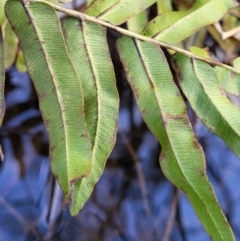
{"x":132,"y":201}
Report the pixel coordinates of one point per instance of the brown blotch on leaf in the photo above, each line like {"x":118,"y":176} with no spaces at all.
{"x":232,"y":75}
{"x":143,"y":112}
{"x":203,"y":171}
{"x":162,"y":157}
{"x":222,"y":92}
{"x":184,"y":117}
{"x":196,"y":143}
{"x":84,"y":135}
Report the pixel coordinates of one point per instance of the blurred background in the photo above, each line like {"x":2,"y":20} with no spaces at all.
{"x":133,"y":200}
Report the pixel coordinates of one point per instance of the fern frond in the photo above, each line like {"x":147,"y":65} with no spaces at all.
{"x":73,"y":74}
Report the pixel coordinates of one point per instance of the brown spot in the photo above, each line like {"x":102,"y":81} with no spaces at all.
{"x":174,"y":61}
{"x":222,"y":92}
{"x":232,"y":75}
{"x":112,"y":139}
{"x":42,"y":96}
{"x":203,"y":171}
{"x":46,"y":122}
{"x":165,"y":122}
{"x":211,"y":128}
{"x":52,"y":148}
{"x":196,"y":143}
{"x":168,"y":117}
{"x":136,"y":94}
{"x":73,"y":180}
{"x":66,"y":202}
{"x":84,"y":135}
{"x":162,"y":157}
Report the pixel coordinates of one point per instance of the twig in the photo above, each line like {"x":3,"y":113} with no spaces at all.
{"x":29,"y":226}
{"x":140,"y":174}
{"x":234,"y":12}
{"x":180,"y":225}
{"x":226,"y":34}
{"x":171,"y":219}
{"x":126,"y":32}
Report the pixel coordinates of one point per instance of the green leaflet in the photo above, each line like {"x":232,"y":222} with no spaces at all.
{"x":162,"y":22}
{"x":200,"y":52}
{"x":164,"y":6}
{"x":2,"y":15}
{"x":173,"y":27}
{"x":229,"y":80}
{"x":10,"y":45}
{"x":89,"y":1}
{"x":11,"y":48}
{"x":117,"y":11}
{"x":138,"y":22}
{"x":2,"y":83}
{"x":209,"y":101}
{"x":182,"y":159}
{"x":94,"y":67}
{"x":57,"y":86}
{"x":236,"y":63}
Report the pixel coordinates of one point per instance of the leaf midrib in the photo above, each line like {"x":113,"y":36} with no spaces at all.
{"x":95,"y":82}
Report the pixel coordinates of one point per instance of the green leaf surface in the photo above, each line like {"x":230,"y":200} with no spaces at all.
{"x":173,"y":27}
{"x":164,"y":6}
{"x":229,"y":80}
{"x":2,"y":14}
{"x":138,"y":22}
{"x":163,"y":22}
{"x":89,"y":2}
{"x":117,"y":11}
{"x":94,"y":67}
{"x":57,"y":85}
{"x":209,"y":101}
{"x":236,"y":63}
{"x":182,"y":159}
{"x":10,"y":45}
{"x":200,"y":52}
